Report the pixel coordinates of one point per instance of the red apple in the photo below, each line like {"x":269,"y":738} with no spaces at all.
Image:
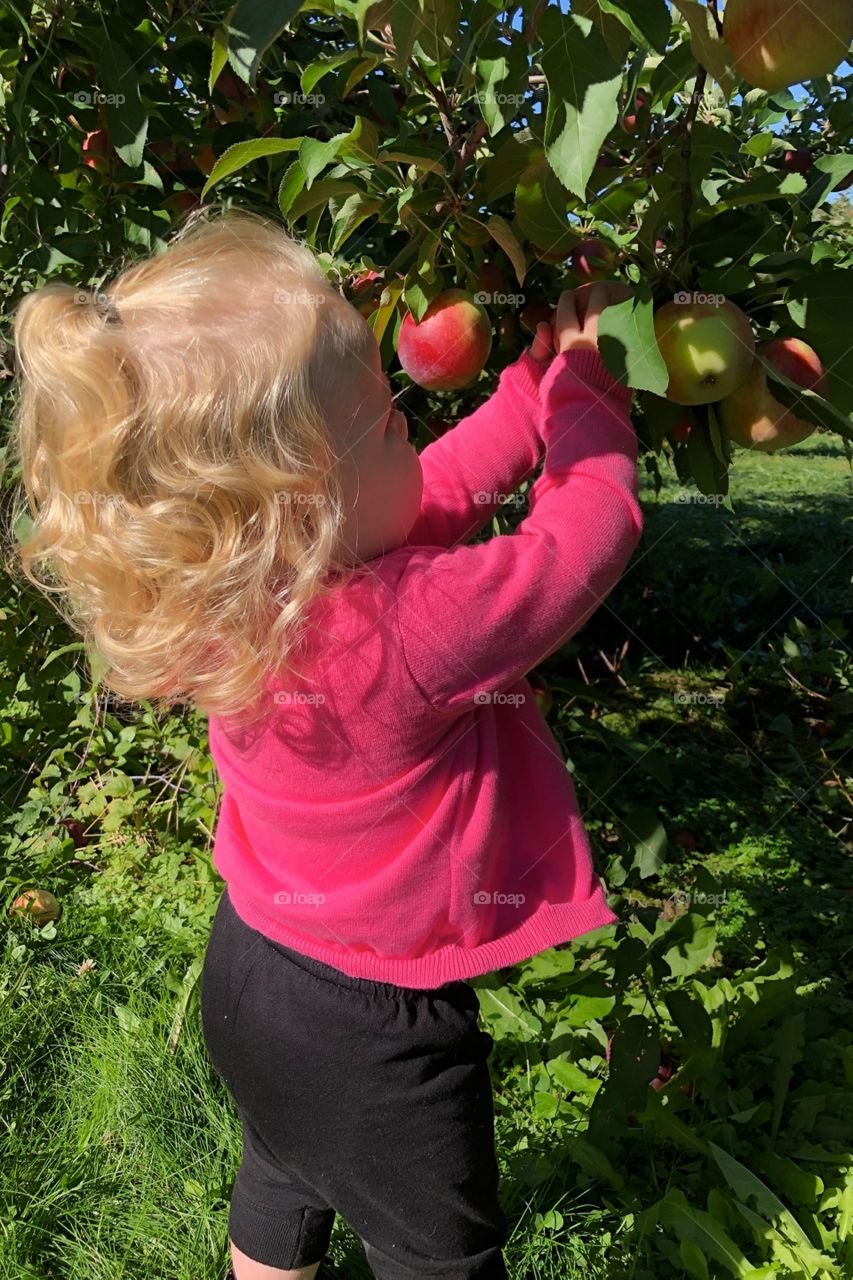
{"x":205,"y":158}
{"x":181,"y":202}
{"x":638,"y":114}
{"x":447,"y":350}
{"x":37,"y":905}
{"x":777,"y":43}
{"x":846,"y":183}
{"x":708,"y":348}
{"x":799,"y":161}
{"x":753,"y":417}
{"x":592,"y":259}
{"x":682,"y":836}
{"x":96,"y":150}
{"x":77,"y":832}
{"x":491,"y":279}
{"x":534,"y":313}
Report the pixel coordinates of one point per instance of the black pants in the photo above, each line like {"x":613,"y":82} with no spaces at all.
{"x":356,"y":1097}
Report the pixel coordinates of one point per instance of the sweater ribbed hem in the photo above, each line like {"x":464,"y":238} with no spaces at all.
{"x":546,"y":928}
{"x":527,"y":375}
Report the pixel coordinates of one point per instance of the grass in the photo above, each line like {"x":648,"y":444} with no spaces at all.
{"x":118,"y":1154}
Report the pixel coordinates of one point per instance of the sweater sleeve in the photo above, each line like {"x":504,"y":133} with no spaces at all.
{"x":474,"y":619}
{"x":469,"y":472}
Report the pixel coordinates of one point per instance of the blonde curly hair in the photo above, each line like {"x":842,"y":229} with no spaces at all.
{"x":183,"y":485}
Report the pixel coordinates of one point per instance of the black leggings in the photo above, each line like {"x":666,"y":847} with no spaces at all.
{"x":357,"y":1097}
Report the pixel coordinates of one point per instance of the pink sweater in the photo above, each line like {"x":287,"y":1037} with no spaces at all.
{"x":406,"y":815}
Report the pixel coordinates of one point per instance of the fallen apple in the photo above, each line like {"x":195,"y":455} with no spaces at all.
{"x":37,"y":905}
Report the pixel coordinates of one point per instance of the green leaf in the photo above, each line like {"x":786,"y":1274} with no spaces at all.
{"x":320,"y":195}
{"x":648,"y":21}
{"x":503,"y":235}
{"x":540,"y":209}
{"x":501,"y":172}
{"x":746,"y":1185}
{"x":292,"y":184}
{"x":405,"y":26}
{"x":648,"y":836}
{"x":218,"y":56}
{"x":315,"y":155}
{"x":243,"y":153}
{"x":689,"y":944}
{"x":359,"y":71}
{"x":379,"y":319}
{"x":628,"y":345}
{"x":693,"y":1259}
{"x":502,"y":81}
{"x":127,"y":119}
{"x":584,"y":84}
{"x":701,"y":1230}
{"x":422,"y":157}
{"x":315,"y":71}
{"x":709,"y":48}
{"x":439,"y":35}
{"x":710,"y":474}
{"x":354,"y":210}
{"x":807,"y":404}
{"x":503,"y":1006}
{"x":252,"y":26}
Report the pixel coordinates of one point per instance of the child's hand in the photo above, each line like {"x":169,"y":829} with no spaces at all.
{"x":542,"y":346}
{"x":578,"y":310}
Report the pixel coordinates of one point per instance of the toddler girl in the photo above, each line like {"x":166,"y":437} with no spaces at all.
{"x":225,"y":491}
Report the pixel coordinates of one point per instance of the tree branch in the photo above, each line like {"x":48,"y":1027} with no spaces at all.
{"x":686,"y":156}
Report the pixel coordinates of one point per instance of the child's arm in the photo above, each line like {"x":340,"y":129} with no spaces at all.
{"x":473,"y":620}
{"x":473,"y":469}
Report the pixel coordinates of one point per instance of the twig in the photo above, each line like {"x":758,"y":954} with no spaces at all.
{"x":686,"y":154}
{"x":718,"y":22}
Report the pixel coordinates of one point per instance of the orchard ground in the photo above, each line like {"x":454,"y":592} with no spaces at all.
{"x":120,"y":1144}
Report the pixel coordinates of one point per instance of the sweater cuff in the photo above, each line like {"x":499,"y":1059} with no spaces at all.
{"x":526,"y":374}
{"x":588,"y":366}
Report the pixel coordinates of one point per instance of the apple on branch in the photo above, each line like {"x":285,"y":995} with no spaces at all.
{"x":753,"y":418}
{"x":777,"y":43}
{"x":708,"y":348}
{"x":449,"y":347}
